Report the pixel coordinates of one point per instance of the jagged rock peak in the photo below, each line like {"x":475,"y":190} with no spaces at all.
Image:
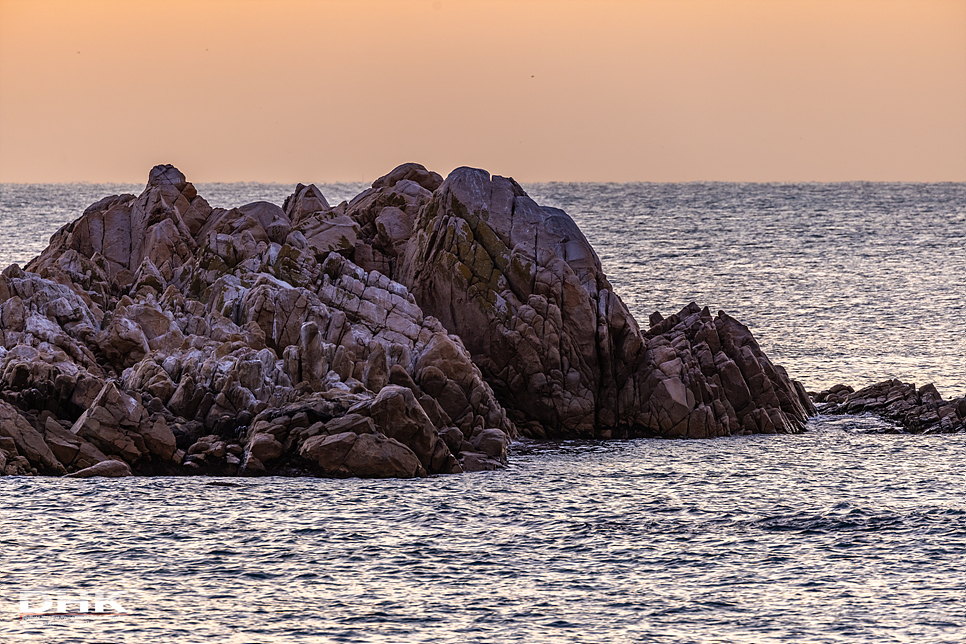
{"x":166,"y":174}
{"x":411,"y":172}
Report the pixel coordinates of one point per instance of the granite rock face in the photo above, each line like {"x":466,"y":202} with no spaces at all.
{"x":737,"y":390}
{"x":522,"y":287}
{"x":176,"y":338}
{"x":917,"y":411}
{"x":415,"y":330}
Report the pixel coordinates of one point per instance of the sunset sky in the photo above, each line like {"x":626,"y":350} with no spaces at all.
{"x":287,"y":90}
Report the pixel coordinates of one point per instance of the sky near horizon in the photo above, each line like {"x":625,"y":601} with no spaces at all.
{"x":541,"y":90}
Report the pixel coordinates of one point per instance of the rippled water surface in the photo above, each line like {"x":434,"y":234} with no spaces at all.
{"x":833,"y":536}
{"x":838,"y":535}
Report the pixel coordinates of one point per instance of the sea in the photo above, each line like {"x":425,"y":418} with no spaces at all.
{"x":849,"y":532}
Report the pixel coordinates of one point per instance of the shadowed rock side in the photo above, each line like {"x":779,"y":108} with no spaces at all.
{"x":522,"y":287}
{"x":917,"y":411}
{"x":177,"y":338}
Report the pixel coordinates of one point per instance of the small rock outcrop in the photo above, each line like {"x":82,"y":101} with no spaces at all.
{"x":719,"y":362}
{"x":105,"y":468}
{"x":916,"y":411}
{"x":835,"y":394}
{"x":415,"y":330}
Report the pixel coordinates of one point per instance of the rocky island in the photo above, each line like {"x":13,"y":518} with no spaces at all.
{"x":413,"y":331}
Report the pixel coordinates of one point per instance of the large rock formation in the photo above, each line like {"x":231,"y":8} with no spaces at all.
{"x":520,"y":284}
{"x":387,"y":336}
{"x":179,"y":338}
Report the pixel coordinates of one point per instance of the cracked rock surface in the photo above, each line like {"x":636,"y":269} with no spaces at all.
{"x":520,"y":284}
{"x":174,"y":337}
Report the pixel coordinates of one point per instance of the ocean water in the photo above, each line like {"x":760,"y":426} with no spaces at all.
{"x":842,"y":534}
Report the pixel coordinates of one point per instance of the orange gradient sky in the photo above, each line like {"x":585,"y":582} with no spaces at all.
{"x":288,"y":90}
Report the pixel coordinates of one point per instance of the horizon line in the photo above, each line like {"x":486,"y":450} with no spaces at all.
{"x":522,"y":182}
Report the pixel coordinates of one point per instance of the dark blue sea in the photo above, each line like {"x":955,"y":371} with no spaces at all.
{"x":842,"y":534}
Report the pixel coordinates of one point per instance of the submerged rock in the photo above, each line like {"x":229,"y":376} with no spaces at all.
{"x":415,"y":330}
{"x":109,"y":469}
